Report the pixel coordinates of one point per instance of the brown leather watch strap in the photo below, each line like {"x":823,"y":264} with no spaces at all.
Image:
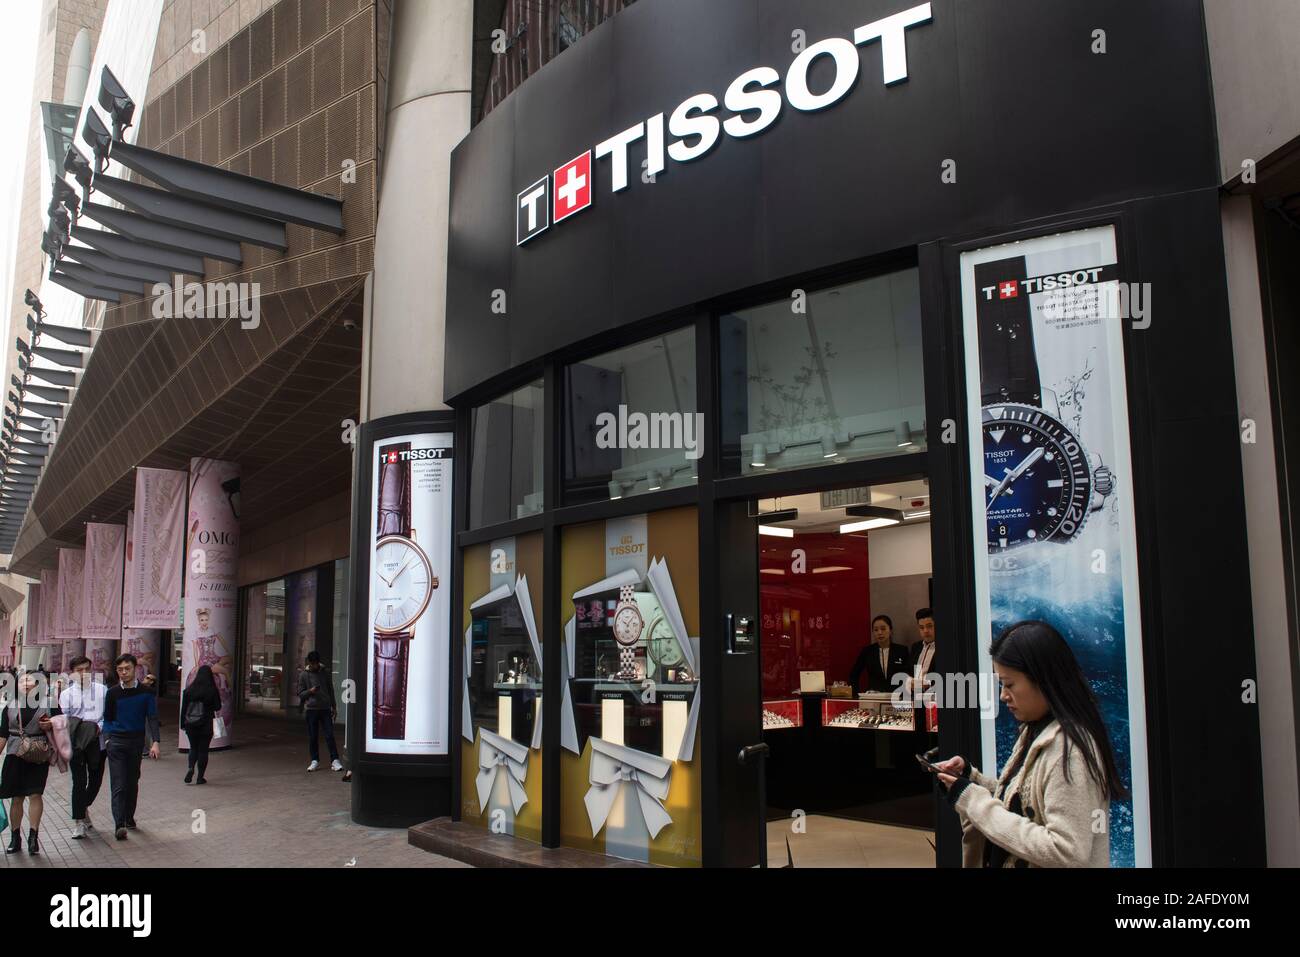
{"x":391,"y":651}
{"x":390,"y":685}
{"x":394,"y":516}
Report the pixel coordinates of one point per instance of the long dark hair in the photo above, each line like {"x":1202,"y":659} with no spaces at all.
{"x":1038,"y":650}
{"x":204,"y":686}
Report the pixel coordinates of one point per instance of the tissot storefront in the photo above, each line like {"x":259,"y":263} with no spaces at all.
{"x":743,"y":299}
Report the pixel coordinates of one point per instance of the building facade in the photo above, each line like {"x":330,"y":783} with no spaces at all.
{"x":825,"y":252}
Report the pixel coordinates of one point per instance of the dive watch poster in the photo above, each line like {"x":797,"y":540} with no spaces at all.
{"x":407,"y":688}
{"x":1052,"y":489}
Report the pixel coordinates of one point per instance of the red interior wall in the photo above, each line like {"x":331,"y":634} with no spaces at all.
{"x":812,"y":621}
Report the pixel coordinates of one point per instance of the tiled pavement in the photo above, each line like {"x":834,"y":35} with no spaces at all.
{"x":260,"y":808}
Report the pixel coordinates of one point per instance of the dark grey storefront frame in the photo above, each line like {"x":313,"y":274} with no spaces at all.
{"x":1205,"y":786}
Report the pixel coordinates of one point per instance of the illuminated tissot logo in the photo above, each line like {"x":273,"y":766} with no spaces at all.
{"x":750,"y":105}
{"x":573,"y":186}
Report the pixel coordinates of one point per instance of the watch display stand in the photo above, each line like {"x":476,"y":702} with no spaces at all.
{"x":787,"y":713}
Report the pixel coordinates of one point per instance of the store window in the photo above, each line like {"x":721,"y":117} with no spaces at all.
{"x":823,"y":377}
{"x":629,"y":732}
{"x":339,"y":628}
{"x":501,"y":721}
{"x":264,"y":628}
{"x":630,"y":420}
{"x":506,"y":457}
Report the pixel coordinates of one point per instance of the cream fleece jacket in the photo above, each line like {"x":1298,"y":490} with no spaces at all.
{"x":1064,"y":823}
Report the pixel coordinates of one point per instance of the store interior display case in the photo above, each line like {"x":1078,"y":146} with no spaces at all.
{"x":782,"y":714}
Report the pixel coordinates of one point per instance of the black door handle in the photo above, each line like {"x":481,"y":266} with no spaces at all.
{"x":752,"y":751}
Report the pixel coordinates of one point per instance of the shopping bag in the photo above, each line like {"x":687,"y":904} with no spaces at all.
{"x":218,"y":727}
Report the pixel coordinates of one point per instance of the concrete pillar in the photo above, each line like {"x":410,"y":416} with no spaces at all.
{"x":428,"y":114}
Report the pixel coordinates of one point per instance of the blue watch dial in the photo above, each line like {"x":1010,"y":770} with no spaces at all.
{"x":1036,"y":479}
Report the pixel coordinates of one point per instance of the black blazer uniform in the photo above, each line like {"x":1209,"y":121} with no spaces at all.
{"x":868,"y":667}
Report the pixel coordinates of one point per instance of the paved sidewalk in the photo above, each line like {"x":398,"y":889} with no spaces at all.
{"x":260,"y":808}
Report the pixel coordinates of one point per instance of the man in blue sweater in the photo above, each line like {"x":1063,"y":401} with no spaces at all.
{"x":130,"y":709}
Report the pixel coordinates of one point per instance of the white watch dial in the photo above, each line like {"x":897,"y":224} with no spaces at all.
{"x":402,"y":580}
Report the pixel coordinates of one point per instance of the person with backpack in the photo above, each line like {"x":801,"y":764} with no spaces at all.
{"x":200,"y":702}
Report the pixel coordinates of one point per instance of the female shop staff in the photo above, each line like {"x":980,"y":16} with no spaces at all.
{"x":881,"y":660}
{"x":1051,"y":806}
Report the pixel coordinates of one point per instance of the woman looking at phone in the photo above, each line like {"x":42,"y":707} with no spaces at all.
{"x":1051,"y":805}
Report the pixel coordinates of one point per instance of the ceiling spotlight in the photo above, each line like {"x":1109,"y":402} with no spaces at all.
{"x":29,"y":297}
{"x":655,"y":480}
{"x":18,"y":403}
{"x":79,"y":167}
{"x":97,"y":137}
{"x":60,"y":220}
{"x":903,"y":435}
{"x":758,"y":456}
{"x":829,"y":450}
{"x":114,"y":98}
{"x":65,"y":194}
{"x":17,"y":383}
{"x":615,"y":489}
{"x":23,"y":347}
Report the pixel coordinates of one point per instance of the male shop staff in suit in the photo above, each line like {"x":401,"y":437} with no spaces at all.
{"x":921,"y":663}
{"x":881,"y":661}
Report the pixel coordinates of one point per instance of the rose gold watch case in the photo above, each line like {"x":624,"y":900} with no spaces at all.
{"x":409,"y":624}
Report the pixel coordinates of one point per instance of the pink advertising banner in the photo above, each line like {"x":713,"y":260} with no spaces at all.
{"x":145,"y":644}
{"x":126,"y":568}
{"x":211,"y":583}
{"x":72,"y":562}
{"x":34,"y":614}
{"x":157,"y":545}
{"x":49,"y":606}
{"x":101,"y":652}
{"x":101,"y":594}
{"x":71,"y":649}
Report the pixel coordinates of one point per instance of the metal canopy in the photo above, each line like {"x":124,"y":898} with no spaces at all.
{"x":93,"y":277}
{"x":85,"y":289}
{"x":126,"y":250}
{"x":42,"y":408}
{"x":121,"y":268}
{"x":70,"y":357}
{"x":165,"y":207}
{"x":53,"y":376}
{"x":233,"y":191}
{"x":145,"y":230}
{"x":48,"y":394}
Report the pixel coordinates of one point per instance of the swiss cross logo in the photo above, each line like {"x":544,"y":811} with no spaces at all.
{"x":1008,"y":290}
{"x":572,"y":186}
{"x":392,"y":458}
{"x":533,"y":211}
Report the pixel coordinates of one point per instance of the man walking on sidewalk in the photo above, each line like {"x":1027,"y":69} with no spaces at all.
{"x":130,"y":709}
{"x":316,"y":695}
{"x":84,"y":699}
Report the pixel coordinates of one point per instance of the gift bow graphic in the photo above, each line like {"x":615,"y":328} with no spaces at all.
{"x":495,"y":753}
{"x":613,"y":766}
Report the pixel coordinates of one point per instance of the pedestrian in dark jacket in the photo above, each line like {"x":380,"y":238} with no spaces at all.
{"x":200,"y":702}
{"x":316,"y":696}
{"x":130,"y":718}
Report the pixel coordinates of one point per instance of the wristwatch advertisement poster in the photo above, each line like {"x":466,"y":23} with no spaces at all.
{"x":410,"y":541}
{"x":1052,"y":493}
